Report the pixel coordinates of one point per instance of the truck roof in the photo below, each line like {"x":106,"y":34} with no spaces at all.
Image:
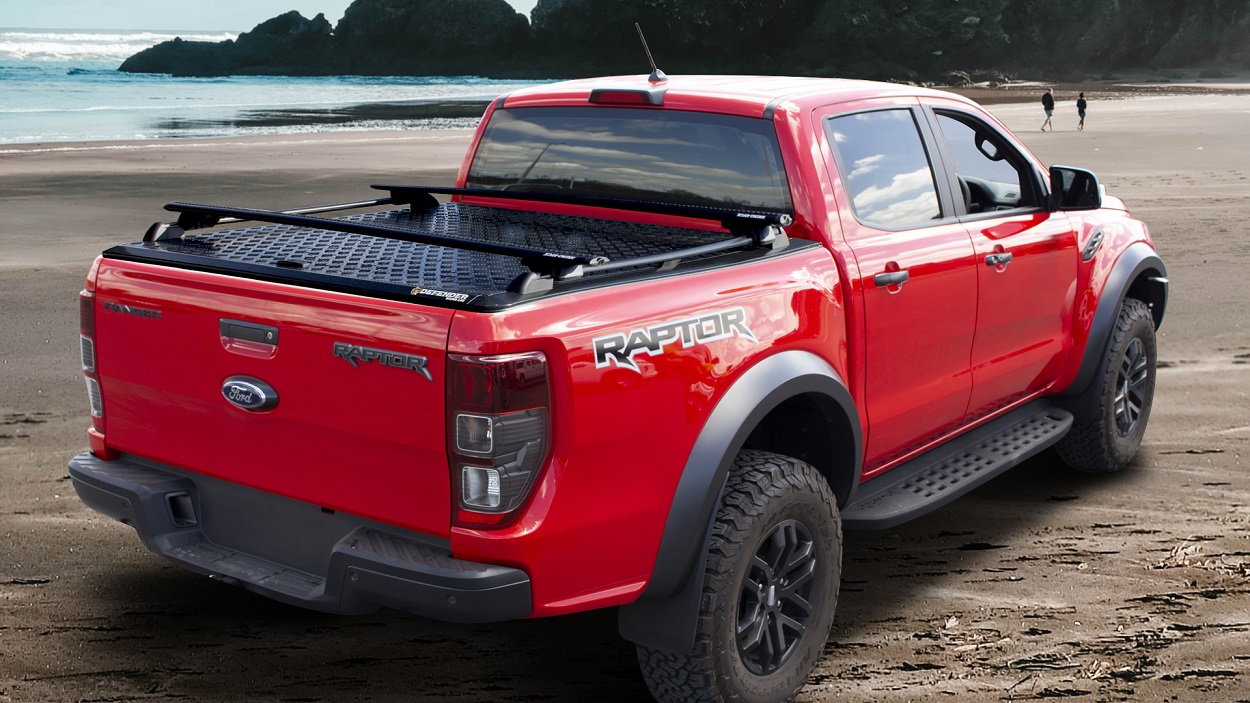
{"x":749,"y":96}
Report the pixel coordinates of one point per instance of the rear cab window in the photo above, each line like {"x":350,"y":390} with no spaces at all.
{"x":885,"y":168}
{"x":669,"y":156}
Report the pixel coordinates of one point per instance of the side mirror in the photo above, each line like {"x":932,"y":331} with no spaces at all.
{"x":1074,"y":189}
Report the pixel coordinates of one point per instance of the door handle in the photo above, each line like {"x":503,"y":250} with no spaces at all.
{"x":1001,"y":259}
{"x":894,"y":278}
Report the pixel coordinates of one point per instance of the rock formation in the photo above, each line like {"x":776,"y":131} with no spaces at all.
{"x":288,"y":44}
{"x":375,"y":37}
{"x":890,"y":39}
{"x":429,"y":37}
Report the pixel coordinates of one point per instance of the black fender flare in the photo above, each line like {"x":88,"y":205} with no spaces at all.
{"x":664,"y":617}
{"x":1136,"y":260}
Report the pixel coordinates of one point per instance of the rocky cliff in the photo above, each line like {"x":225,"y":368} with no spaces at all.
{"x":375,"y":38}
{"x":898,"y":39}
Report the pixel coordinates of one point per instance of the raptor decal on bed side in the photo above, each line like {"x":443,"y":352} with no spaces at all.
{"x":620,"y":349}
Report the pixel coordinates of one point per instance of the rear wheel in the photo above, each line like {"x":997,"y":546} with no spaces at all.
{"x":1107,"y":438}
{"x":769,"y":589}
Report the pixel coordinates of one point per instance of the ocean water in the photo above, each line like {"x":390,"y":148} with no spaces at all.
{"x":63,"y":85}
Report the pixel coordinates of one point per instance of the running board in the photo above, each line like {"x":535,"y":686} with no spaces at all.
{"x":938,"y":477}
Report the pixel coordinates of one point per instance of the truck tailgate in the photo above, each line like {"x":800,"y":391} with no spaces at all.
{"x":359,"y":420}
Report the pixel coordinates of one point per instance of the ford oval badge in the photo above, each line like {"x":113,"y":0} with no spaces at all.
{"x":249,"y":394}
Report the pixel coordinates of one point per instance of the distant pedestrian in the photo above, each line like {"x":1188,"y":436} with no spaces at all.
{"x":1080,"y":110}
{"x":1048,"y":104}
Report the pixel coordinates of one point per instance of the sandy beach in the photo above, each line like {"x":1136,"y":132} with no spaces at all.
{"x":1043,"y":584}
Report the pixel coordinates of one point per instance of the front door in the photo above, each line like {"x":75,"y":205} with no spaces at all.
{"x":1026,"y":265}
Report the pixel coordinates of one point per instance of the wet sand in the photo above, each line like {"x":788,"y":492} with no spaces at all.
{"x":1043,"y":584}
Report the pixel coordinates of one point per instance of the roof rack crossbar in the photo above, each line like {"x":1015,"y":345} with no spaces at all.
{"x":752,"y":228}
{"x":192,"y":221}
{"x":543,"y":262}
{"x":732,"y":219}
{"x":674,"y":256}
{"x":756,"y":228}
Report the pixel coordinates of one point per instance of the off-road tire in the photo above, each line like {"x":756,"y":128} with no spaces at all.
{"x":786,"y":501}
{"x":1105,"y":437}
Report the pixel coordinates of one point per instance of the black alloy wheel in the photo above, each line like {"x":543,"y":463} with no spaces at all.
{"x":1131,"y":384}
{"x":773,"y":604}
{"x":1111,"y":416}
{"x":770,"y":587}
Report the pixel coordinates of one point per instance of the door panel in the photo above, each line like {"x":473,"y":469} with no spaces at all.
{"x":1024,"y":306}
{"x":1026,"y":263}
{"x":917,"y":278}
{"x":918,"y":335}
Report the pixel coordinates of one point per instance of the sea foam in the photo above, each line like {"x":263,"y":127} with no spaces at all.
{"x":69,"y":45}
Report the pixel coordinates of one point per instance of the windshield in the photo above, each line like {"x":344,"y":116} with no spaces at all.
{"x":689,"y":158}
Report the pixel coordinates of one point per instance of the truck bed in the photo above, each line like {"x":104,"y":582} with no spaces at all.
{"x":403,"y":270}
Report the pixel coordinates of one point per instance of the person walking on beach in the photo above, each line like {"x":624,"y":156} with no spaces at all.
{"x":1080,"y":110}
{"x":1048,"y":104}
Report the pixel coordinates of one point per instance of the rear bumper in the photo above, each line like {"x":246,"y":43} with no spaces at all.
{"x":295,"y":552}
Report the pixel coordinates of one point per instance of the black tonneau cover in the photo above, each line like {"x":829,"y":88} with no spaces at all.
{"x":457,"y":274}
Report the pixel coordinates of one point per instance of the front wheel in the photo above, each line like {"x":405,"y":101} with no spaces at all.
{"x":769,"y":589}
{"x":1108,"y":438}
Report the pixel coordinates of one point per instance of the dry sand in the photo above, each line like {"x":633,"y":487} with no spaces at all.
{"x":1043,"y":584}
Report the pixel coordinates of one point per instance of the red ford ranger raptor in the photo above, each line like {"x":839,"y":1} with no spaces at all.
{"x":664,"y":341}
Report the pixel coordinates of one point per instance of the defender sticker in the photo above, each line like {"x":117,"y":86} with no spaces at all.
{"x":619,"y":349}
{"x":446,"y":295}
{"x":354,"y":353}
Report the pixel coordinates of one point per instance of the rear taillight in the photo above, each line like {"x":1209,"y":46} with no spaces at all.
{"x":86,"y":347}
{"x":90,"y":371}
{"x":498,"y":433}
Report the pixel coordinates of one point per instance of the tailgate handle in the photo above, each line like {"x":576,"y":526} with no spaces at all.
{"x":249,"y":331}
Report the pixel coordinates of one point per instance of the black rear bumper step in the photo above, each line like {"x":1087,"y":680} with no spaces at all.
{"x":938,"y":477}
{"x":295,"y":552}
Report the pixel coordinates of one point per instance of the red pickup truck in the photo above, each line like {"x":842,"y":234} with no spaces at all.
{"x":660,"y":344}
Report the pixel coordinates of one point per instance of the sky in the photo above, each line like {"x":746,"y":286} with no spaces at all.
{"x":231,"y":15}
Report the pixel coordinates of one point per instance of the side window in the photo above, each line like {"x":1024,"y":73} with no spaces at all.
{"x":885,"y":168}
{"x":992,"y":175}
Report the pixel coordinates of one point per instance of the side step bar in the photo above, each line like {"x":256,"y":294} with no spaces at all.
{"x":938,"y":477}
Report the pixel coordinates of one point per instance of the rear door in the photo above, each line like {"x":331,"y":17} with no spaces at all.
{"x":918,"y":278}
{"x":358,"y":424}
{"x":1026,"y":262}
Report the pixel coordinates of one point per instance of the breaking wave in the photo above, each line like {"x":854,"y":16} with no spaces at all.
{"x":75,"y":45}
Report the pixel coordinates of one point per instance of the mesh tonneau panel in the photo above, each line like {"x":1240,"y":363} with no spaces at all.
{"x":395,"y":262}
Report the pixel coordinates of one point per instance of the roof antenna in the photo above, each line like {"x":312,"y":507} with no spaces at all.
{"x":657,"y":76}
